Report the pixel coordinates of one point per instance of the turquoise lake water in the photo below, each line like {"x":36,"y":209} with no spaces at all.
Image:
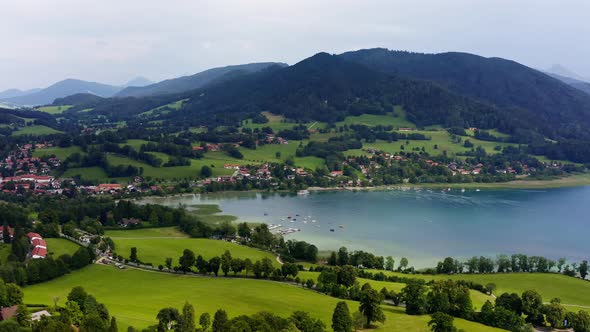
{"x":424,"y":225}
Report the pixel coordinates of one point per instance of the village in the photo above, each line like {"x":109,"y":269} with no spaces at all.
{"x":36,"y":175}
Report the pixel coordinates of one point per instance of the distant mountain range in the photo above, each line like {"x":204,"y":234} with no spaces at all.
{"x":137,"y":87}
{"x":580,"y":85}
{"x":186,"y":83}
{"x":11,"y":93}
{"x":560,"y":70}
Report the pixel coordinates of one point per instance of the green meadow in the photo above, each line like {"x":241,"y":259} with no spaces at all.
{"x":35,"y":130}
{"x":54,"y":109}
{"x":135,"y":297}
{"x":60,"y":153}
{"x":155,"y":245}
{"x":478,"y":298}
{"x":57,"y":247}
{"x":372,"y":120}
{"x":570,"y":290}
{"x":89,"y":173}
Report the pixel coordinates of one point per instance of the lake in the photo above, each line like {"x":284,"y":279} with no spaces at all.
{"x":423,"y":225}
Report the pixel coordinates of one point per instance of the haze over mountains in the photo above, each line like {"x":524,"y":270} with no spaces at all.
{"x":137,"y":87}
{"x":62,"y":89}
{"x":185,"y":83}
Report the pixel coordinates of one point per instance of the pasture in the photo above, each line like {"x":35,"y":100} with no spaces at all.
{"x":135,"y":297}
{"x":570,"y":290}
{"x":35,"y":130}
{"x":58,"y":152}
{"x":54,"y":109}
{"x":154,"y":245}
{"x":57,"y":247}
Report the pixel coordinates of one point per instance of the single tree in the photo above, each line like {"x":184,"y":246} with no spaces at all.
{"x":532,"y":306}
{"x":220,"y":321}
{"x":389,"y":262}
{"x":168,"y":263}
{"x":341,"y":319}
{"x":583,"y":269}
{"x":205,"y":321}
{"x":370,"y":306}
{"x":113,"y":327}
{"x":133,"y":255}
{"x":403,"y":264}
{"x":187,"y":260}
{"x":214,"y":264}
{"x":441,"y":322}
{"x":167,"y":319}
{"x":187,"y":320}
{"x":414,"y":295}
{"x":226,"y":262}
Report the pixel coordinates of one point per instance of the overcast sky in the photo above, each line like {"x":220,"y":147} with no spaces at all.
{"x":44,"y":41}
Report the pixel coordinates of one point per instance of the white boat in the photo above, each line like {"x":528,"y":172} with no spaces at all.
{"x":303,"y":192}
{"x":477,"y":190}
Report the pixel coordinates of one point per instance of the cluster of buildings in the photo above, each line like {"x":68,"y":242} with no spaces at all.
{"x":39,"y":183}
{"x":21,"y":160}
{"x":38,"y":245}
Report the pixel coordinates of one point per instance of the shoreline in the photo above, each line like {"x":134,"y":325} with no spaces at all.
{"x":577,"y":180}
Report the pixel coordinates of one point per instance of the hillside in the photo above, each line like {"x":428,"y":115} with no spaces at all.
{"x":185,"y":83}
{"x":505,"y":83}
{"x":327,"y":88}
{"x":62,"y":89}
{"x":77,"y":99}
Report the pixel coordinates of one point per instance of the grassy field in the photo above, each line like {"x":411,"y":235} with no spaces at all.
{"x":549,"y":285}
{"x":276,"y":122}
{"x":89,"y":173}
{"x":58,"y":247}
{"x":174,"y":172}
{"x":4,"y":252}
{"x":155,"y":245}
{"x":60,"y":153}
{"x":372,"y":120}
{"x":35,"y":130}
{"x":163,"y":109}
{"x":442,"y":140}
{"x":135,"y":297}
{"x":477,"y":298}
{"x":54,"y":109}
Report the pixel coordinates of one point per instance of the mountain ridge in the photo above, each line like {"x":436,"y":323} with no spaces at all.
{"x":190,"y":82}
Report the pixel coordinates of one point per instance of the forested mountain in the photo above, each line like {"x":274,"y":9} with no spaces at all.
{"x":62,"y":89}
{"x":327,"y":88}
{"x":500,"y":82}
{"x":186,"y":83}
{"x":77,"y":99}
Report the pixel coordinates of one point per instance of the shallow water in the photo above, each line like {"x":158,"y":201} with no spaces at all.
{"x":424,"y":225}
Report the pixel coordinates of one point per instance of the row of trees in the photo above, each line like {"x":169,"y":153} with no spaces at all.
{"x":506,"y":264}
{"x":39,"y":270}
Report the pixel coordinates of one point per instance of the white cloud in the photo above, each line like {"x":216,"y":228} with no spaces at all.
{"x":112,"y":41}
